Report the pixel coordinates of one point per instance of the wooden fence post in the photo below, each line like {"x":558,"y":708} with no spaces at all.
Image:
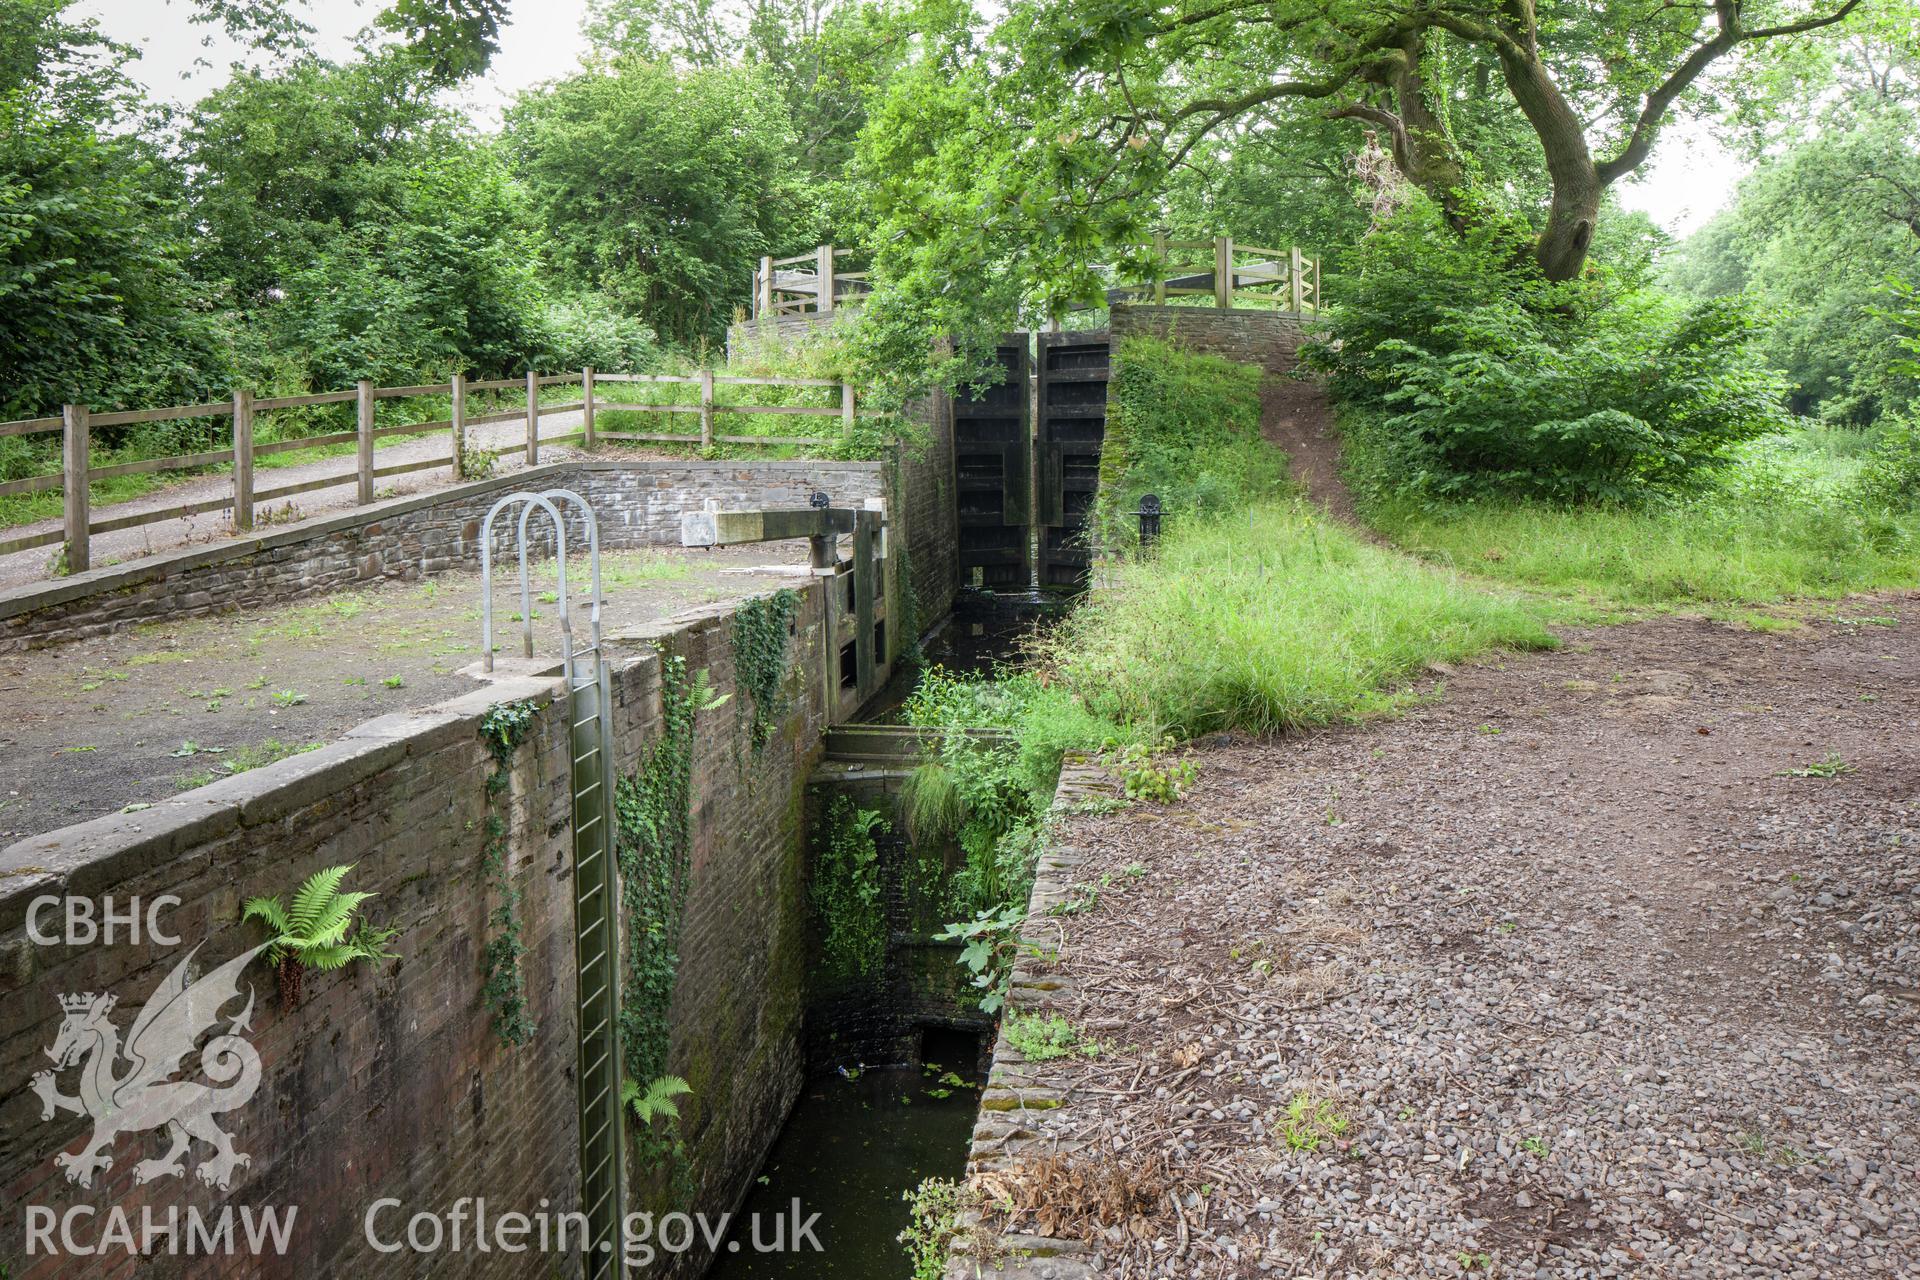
{"x":763,"y":291}
{"x":1298,"y":283}
{"x":1160,"y":277}
{"x":1316,"y":285}
{"x":824,"y":276}
{"x":459,"y":432}
{"x":243,"y":460}
{"x":533,"y":417}
{"x":706,"y":409}
{"x":1223,"y":272}
{"x":74,"y":442}
{"x":586,"y":412}
{"x":364,"y":400}
{"x":846,"y":408}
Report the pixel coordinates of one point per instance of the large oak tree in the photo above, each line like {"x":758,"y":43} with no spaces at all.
{"x":1594,"y":81}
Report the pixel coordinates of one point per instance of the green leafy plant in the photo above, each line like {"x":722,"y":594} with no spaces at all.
{"x":845,"y":890}
{"x":476,"y":461}
{"x":656,"y":1101}
{"x":1831,"y":765}
{"x":289,"y":698}
{"x":1045,"y":1037}
{"x":934,"y":1209}
{"x":318,"y":929}
{"x":992,"y":942}
{"x":1308,"y":1121}
{"x":502,"y":729}
{"x":1153,"y":774}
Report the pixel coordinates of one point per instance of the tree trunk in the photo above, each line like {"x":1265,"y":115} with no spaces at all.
{"x":1562,"y":247}
{"x":1420,"y":144}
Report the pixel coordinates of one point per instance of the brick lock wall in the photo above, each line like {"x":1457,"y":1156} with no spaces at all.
{"x":387,"y":1080}
{"x":931,"y":514}
{"x":1269,"y":339}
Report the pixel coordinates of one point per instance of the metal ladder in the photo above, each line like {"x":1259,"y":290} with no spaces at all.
{"x":595,"y":879}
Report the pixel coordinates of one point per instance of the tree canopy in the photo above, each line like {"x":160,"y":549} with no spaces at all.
{"x":315,"y":220}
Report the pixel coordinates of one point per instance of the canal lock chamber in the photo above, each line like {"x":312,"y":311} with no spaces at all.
{"x":897,"y":1045}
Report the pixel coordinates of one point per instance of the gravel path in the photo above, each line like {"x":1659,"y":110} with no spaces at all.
{"x":25,"y":567}
{"x":1605,"y":964}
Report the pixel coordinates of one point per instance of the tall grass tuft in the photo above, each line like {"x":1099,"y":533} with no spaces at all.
{"x":1268,"y":619}
{"x":931,"y":805}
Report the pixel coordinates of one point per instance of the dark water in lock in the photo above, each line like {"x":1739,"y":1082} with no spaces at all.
{"x":849,"y":1150}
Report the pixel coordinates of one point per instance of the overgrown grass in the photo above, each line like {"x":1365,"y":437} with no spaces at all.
{"x":1783,"y":522}
{"x":1184,"y":427}
{"x":1709,"y":554}
{"x":1269,"y":619}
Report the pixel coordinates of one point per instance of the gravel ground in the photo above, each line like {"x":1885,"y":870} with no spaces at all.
{"x":1581,"y":969}
{"x":139,"y":715}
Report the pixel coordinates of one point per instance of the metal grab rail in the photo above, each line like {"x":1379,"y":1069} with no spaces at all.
{"x":526,"y":596}
{"x":595,"y":882}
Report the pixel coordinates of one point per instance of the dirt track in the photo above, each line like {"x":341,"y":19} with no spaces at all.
{"x":1605,"y":963}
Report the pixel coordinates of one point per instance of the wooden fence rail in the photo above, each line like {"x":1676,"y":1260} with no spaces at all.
{"x":1232,"y":274}
{"x":809,"y":284}
{"x":77,"y":423}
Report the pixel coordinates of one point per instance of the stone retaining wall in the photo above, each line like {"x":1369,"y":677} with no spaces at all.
{"x":1269,"y":339}
{"x":386,"y":1080}
{"x":637,"y":503}
{"x":1022,"y":1098}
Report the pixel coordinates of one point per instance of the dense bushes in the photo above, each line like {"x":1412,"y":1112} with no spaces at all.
{"x":1488,"y":380}
{"x":1185,"y":427}
{"x":96,"y":303}
{"x":1891,"y":475}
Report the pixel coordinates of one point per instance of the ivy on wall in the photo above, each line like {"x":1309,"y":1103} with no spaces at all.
{"x":911,"y":653}
{"x":503,"y":728}
{"x":761,"y":629}
{"x":845,"y":891}
{"x":653,"y":843}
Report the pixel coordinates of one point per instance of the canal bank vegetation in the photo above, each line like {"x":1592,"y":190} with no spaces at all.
{"x":1271,"y":618}
{"x":1254,"y":612}
{"x":1611,"y":443}
{"x":1184,"y":427}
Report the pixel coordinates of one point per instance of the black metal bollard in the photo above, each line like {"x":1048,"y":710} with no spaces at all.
{"x":1149,"y":514}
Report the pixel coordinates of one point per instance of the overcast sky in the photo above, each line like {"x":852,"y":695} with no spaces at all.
{"x":1689,"y":179}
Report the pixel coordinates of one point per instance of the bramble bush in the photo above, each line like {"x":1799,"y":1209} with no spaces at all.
{"x":1483,"y":379}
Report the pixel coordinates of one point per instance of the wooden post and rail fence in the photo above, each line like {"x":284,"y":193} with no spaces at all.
{"x":77,"y":423}
{"x":1231,"y":274}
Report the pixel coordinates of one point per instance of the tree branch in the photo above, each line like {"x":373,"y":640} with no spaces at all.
{"x":1646,"y":129}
